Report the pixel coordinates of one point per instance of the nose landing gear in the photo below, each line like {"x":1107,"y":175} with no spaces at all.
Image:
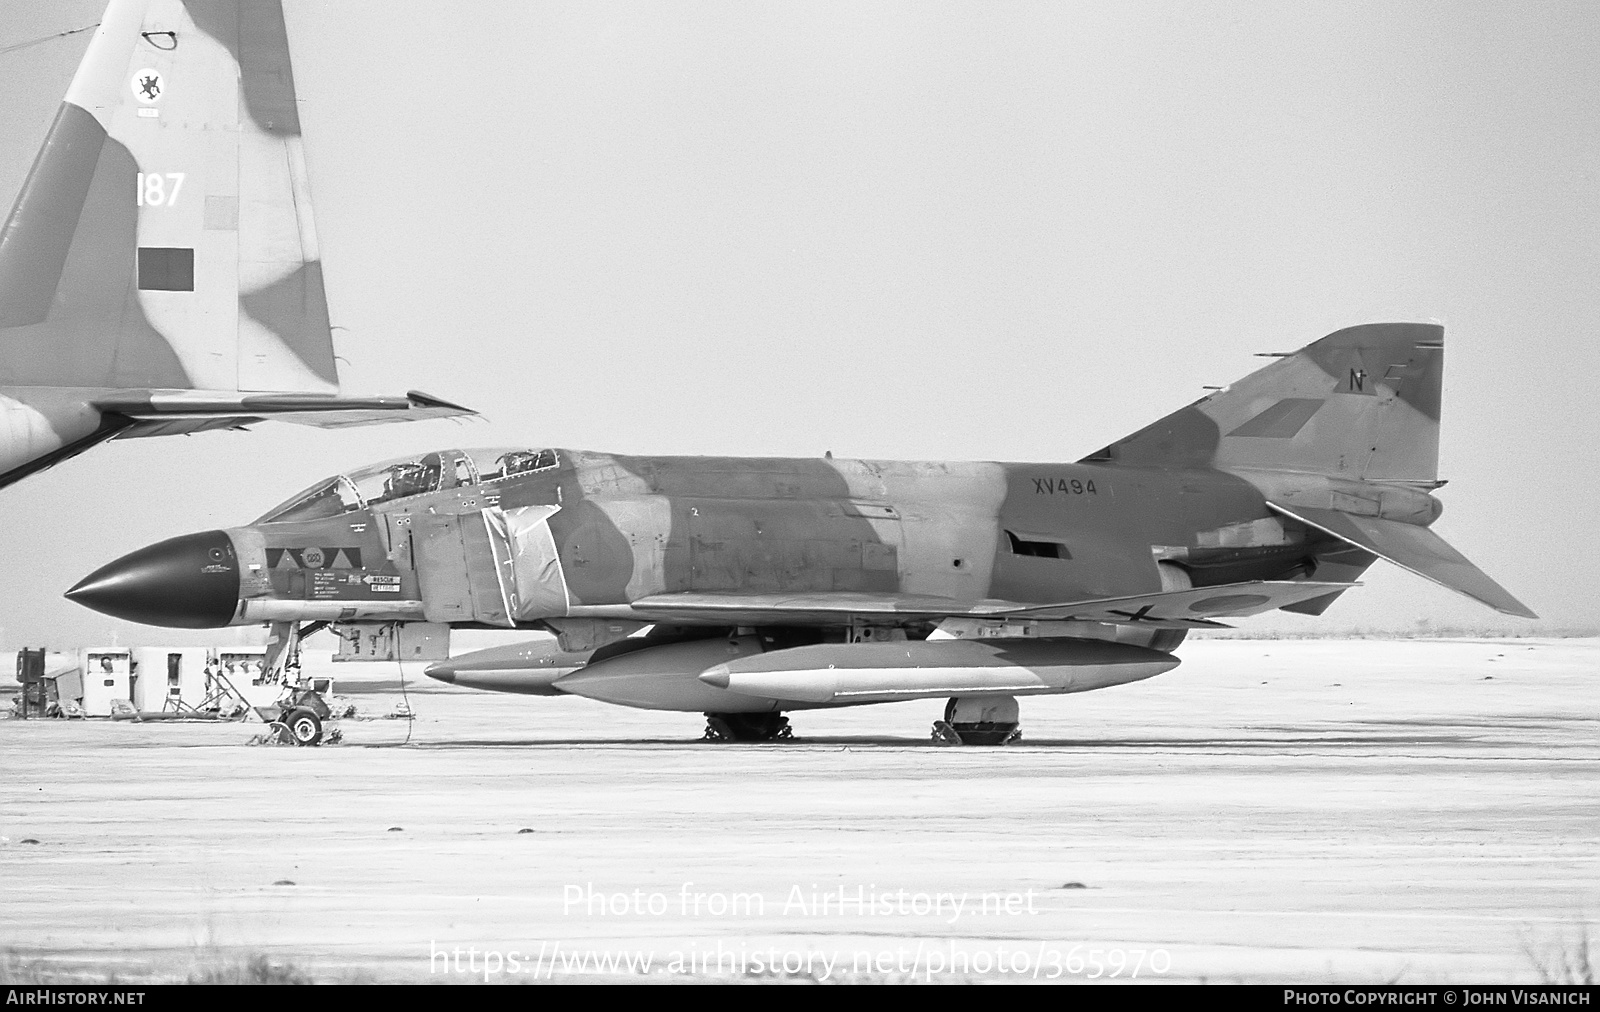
{"x":297,"y":717}
{"x":305,"y":727}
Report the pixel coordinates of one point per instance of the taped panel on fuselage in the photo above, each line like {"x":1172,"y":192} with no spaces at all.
{"x":537,"y":578}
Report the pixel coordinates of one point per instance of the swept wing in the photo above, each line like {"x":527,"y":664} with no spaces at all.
{"x":1184,"y":609}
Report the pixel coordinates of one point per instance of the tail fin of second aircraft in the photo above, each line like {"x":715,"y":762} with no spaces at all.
{"x":159,"y":271}
{"x":1361,"y":403}
{"x":164,"y":238}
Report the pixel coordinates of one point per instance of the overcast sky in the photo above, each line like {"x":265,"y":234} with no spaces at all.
{"x":919,"y":230}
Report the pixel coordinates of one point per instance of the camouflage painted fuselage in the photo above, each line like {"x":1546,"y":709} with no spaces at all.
{"x":628,"y":529}
{"x":1277,"y":491}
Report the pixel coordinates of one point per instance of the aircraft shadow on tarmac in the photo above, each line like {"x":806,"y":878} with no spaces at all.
{"x":1296,"y":737}
{"x":800,"y":743}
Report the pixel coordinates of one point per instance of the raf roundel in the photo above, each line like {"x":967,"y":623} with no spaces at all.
{"x":149,"y":86}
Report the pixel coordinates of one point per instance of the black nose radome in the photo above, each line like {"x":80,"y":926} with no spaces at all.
{"x":190,"y":582}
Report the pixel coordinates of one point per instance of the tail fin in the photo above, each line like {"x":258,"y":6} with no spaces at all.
{"x":1342,"y":437}
{"x":164,"y":237}
{"x":1361,"y":403}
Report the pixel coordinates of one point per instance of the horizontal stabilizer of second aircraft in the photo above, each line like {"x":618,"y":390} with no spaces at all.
{"x":166,"y":412}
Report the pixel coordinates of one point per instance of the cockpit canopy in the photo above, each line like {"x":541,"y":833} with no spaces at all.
{"x":409,"y":476}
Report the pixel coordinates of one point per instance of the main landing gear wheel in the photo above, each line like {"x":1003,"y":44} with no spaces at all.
{"x":747,"y":727}
{"x":305,"y":727}
{"x":978,"y":720}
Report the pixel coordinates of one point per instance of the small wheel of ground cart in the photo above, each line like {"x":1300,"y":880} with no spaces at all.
{"x":305,"y":727}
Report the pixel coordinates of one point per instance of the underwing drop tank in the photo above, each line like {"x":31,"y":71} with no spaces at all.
{"x":734,"y":674}
{"x":830,"y":674}
{"x":528,"y":669}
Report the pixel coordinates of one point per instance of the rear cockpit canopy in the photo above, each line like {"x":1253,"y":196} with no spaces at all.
{"x":409,"y":476}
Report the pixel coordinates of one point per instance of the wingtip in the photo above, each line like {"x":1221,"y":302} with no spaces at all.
{"x":419,"y":399}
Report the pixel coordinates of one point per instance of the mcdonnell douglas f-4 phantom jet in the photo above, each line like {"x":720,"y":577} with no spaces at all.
{"x":747,"y":587}
{"x":160,"y":271}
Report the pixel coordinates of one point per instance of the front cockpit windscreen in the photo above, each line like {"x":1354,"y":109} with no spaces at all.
{"x":406,"y":477}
